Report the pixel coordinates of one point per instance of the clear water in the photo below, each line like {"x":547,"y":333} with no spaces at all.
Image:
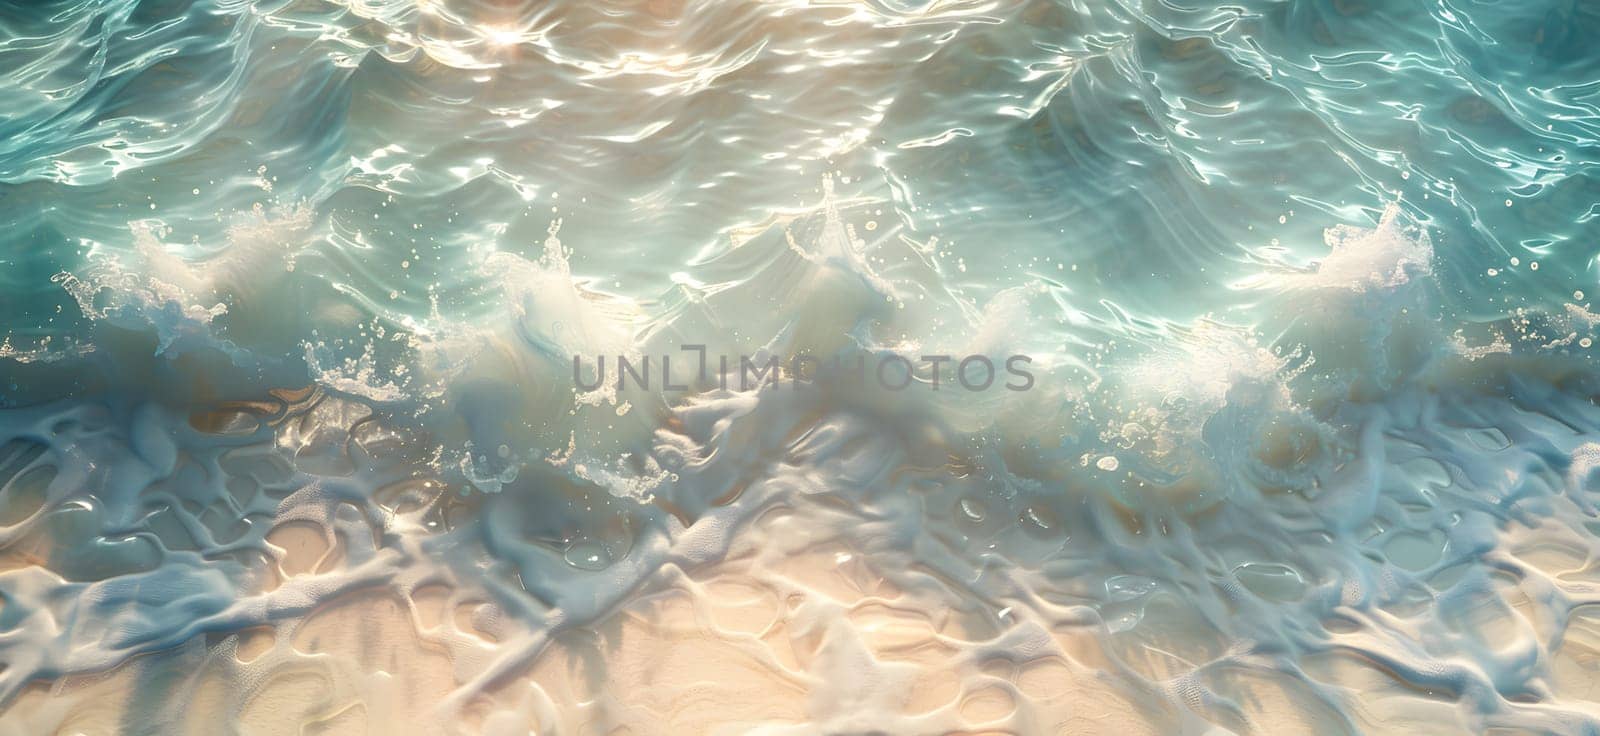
{"x":292,"y":293}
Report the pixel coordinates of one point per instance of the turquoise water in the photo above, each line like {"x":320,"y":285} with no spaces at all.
{"x":1305,"y":288}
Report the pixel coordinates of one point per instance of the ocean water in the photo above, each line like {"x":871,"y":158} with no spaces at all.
{"x":301,"y":301}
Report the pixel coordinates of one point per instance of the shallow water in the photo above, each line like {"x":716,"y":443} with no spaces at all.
{"x":291,"y":440}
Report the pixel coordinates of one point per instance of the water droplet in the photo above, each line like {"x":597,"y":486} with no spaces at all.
{"x":587,"y":554}
{"x":973,"y":510}
{"x":1271,"y":581}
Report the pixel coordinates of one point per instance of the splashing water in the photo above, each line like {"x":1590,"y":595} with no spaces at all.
{"x":294,"y":436}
